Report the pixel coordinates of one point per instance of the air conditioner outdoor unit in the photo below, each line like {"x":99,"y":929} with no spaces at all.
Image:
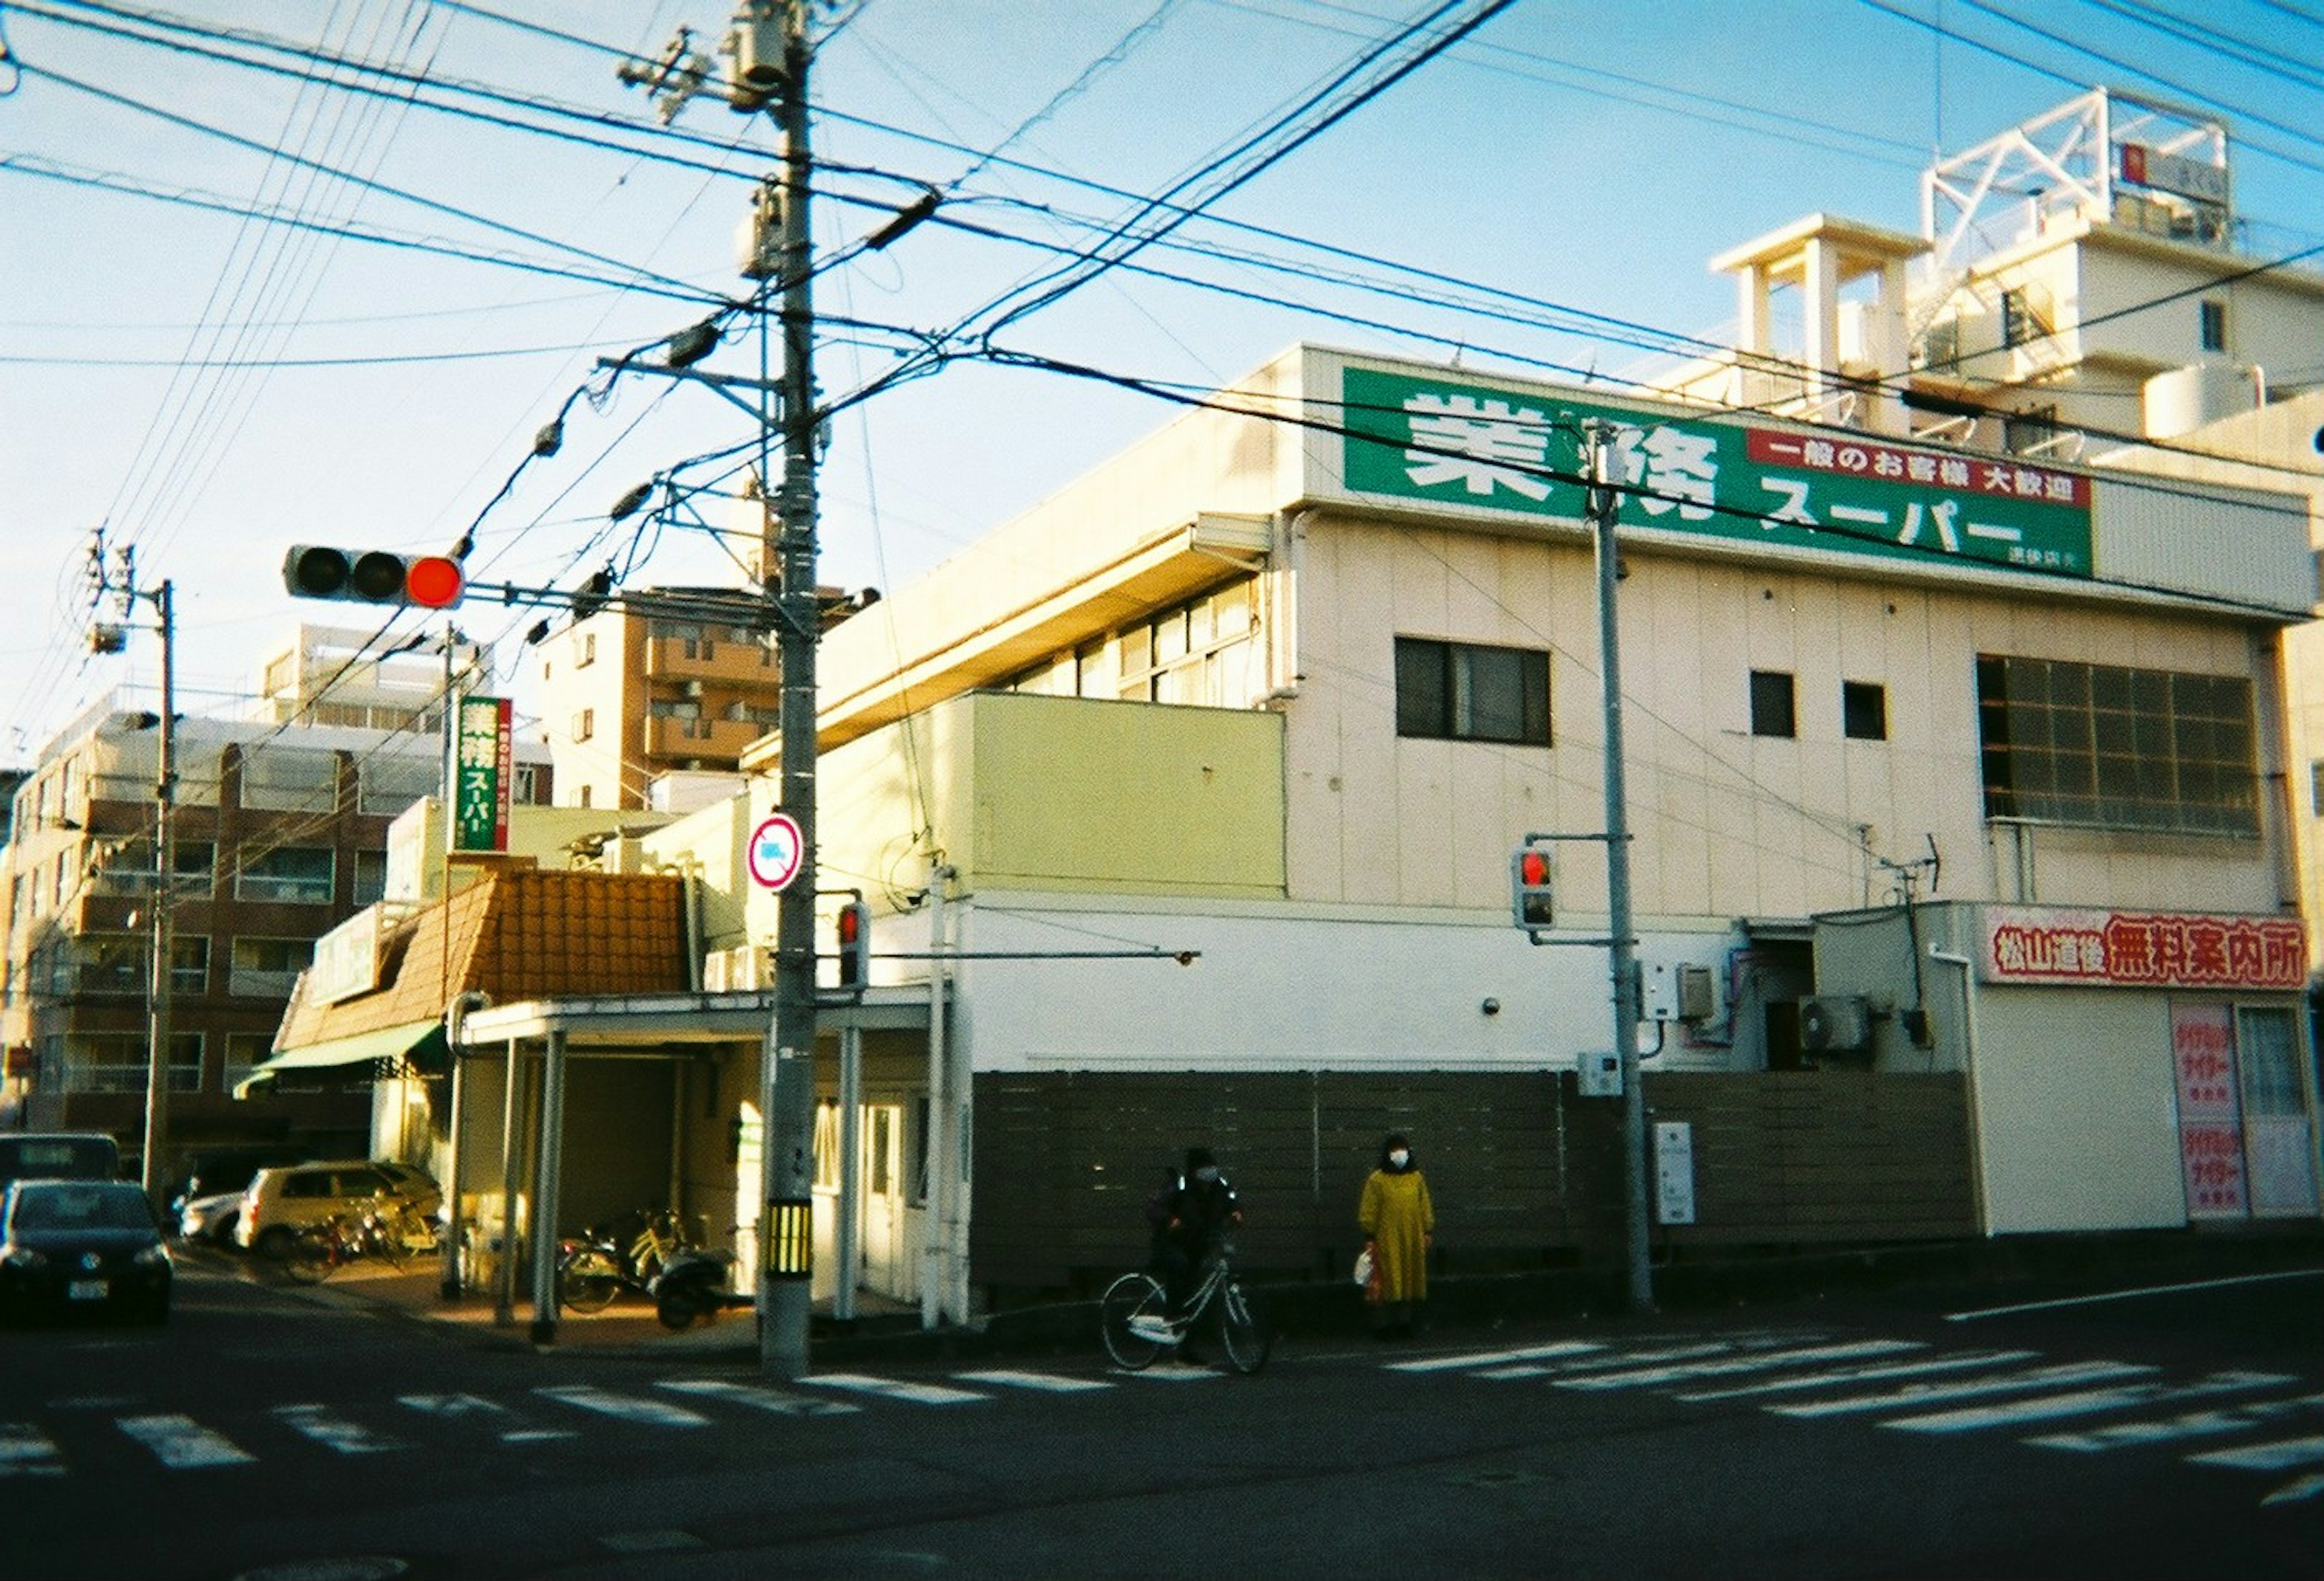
{"x":1835,"y":1023}
{"x":713,"y":972}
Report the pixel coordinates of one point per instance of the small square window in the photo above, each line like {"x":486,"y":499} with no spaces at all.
{"x":1863,"y":710}
{"x":2215,"y":326}
{"x":1771,"y":703}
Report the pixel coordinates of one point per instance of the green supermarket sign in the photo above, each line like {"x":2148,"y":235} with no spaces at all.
{"x":1424,"y":438}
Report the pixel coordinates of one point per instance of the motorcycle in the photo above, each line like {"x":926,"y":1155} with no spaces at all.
{"x":697,"y":1283}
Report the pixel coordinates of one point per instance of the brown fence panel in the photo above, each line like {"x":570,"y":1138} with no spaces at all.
{"x":1521,"y":1169}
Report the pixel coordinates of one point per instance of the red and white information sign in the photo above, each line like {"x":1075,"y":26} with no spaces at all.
{"x":2211,"y":1127}
{"x":2142,"y":950}
{"x":776,"y":847}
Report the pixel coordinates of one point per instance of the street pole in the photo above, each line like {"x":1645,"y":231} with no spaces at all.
{"x":1600,"y":450}
{"x":786,"y":1076}
{"x":155,"y":1175}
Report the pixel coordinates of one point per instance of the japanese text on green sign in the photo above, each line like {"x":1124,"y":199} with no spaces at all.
{"x":1421,"y":439}
{"x":483,"y":748}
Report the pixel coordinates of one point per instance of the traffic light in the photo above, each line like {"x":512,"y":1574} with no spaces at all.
{"x":1531,"y":893}
{"x":373,"y":577}
{"x":855,"y":946}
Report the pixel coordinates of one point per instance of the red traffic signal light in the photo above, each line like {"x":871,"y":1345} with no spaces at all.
{"x":1532,"y":895}
{"x":373,"y":577}
{"x":855,"y":945}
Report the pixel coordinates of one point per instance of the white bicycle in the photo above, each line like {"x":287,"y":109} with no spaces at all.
{"x":1134,"y":1316}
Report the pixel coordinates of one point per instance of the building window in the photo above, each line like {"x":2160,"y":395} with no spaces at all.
{"x":2016,"y":327}
{"x":1204,"y":652}
{"x":105,"y":963}
{"x":1863,"y":710}
{"x":2316,"y":787}
{"x":192,"y":864}
{"x":244,"y":1052}
{"x":190,"y":963}
{"x":2111,"y":748}
{"x":1772,"y":713}
{"x":371,"y":876}
{"x":2214,"y":325}
{"x":585,"y":650}
{"x":268,"y":969}
{"x":116,"y":1062}
{"x":1461,"y":692}
{"x":288,"y":780}
{"x":2028,"y":430}
{"x":585,"y":724}
{"x":299,"y":874}
{"x":584,"y":797}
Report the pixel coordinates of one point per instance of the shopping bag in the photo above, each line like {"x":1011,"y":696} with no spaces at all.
{"x":1367,"y":1271}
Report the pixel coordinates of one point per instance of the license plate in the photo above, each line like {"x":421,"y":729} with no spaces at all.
{"x":86,"y":1290}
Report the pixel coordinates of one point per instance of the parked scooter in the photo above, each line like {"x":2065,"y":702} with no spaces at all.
{"x":697,"y":1283}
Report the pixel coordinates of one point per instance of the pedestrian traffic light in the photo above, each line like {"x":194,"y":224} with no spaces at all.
{"x":855,"y":945}
{"x":373,"y":577}
{"x":1531,"y":897}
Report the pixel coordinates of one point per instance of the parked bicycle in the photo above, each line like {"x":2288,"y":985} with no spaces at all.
{"x":594,"y":1268}
{"x":1134,"y":1316}
{"x":319,"y":1250}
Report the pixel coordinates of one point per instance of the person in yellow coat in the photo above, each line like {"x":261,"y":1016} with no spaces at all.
{"x":1399,"y":1222}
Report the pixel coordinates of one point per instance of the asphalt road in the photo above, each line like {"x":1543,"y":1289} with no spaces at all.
{"x":2176,"y":1433}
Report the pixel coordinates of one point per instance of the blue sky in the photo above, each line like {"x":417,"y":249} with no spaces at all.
{"x":214,"y":389}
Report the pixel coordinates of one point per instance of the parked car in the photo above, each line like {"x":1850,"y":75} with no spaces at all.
{"x":210,"y":1219}
{"x":207,"y":1203}
{"x":282,"y":1201}
{"x":58,"y":1156}
{"x":81,"y":1245}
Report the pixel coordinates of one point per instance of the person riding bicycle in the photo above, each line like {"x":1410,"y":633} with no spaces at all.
{"x":1194,"y":1207}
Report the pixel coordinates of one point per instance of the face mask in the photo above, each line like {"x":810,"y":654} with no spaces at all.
{"x":1399,"y":1158}
{"x":1207,"y":1173}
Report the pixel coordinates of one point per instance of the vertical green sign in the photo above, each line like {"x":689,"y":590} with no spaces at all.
{"x":483,"y":750}
{"x":1429,"y":439}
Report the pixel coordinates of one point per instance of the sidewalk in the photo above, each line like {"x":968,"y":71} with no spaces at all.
{"x":890,"y":1331}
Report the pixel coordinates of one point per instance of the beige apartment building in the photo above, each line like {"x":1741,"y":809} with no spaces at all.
{"x":627,"y":697}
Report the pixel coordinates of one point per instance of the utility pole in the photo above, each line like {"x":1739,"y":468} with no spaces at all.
{"x":1601,"y":449}
{"x":786,"y":1076}
{"x":153,"y":1174}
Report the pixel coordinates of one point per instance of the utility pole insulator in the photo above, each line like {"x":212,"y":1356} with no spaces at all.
{"x":759,"y":242}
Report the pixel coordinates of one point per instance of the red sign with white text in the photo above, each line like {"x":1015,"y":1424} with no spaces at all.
{"x":2141,"y":949}
{"x":2211,"y":1129}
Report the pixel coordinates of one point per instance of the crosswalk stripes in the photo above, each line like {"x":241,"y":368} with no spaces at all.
{"x":630,"y":1407}
{"x":2193,"y":1424}
{"x":894,"y":1389}
{"x":2082,"y":1402}
{"x":1871,"y":1371}
{"x":1765,"y":1361}
{"x":180,"y":1443}
{"x":1979,"y":1391}
{"x":2282,"y":1454}
{"x":1040,"y":1383}
{"x":26,"y":1451}
{"x":333,"y":1431}
{"x":512,"y":1427}
{"x":1903,"y":1384}
{"x":758,"y":1397}
{"x":1978,"y":1387}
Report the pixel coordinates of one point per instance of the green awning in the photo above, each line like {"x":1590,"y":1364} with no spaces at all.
{"x":416,"y":1042}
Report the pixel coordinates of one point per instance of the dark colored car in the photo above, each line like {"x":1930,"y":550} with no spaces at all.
{"x":52,"y":1155}
{"x":81,"y":1245}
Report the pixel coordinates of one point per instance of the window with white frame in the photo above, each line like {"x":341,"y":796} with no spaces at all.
{"x":297,"y":873}
{"x":1205,"y":651}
